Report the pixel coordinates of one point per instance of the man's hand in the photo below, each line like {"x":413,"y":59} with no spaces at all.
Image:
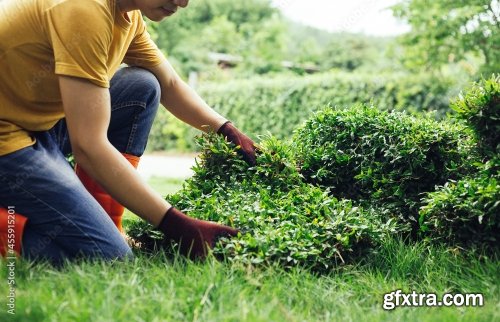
{"x":247,"y":147}
{"x":194,"y":236}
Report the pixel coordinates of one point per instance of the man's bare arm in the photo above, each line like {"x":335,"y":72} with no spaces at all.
{"x":87,"y":109}
{"x":183,"y":102}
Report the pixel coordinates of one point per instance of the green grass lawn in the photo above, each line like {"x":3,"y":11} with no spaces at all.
{"x":155,"y":288}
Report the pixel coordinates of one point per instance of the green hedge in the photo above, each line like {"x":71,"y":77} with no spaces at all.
{"x":385,"y":159}
{"x":467,"y":211}
{"x":277,"y":106}
{"x":479,"y":107}
{"x":350,"y":178}
{"x":287,"y":217}
{"x":283,"y":219}
{"x":464,"y":212}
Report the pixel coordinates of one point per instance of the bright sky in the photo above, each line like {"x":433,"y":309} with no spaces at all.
{"x":366,"y":16}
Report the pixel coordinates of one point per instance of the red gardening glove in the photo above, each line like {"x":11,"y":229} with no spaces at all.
{"x":247,"y":147}
{"x":194,"y":236}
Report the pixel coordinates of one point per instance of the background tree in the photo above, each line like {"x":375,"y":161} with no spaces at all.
{"x":266,"y":46}
{"x":258,"y":34}
{"x":446,"y":31}
{"x":352,"y":51}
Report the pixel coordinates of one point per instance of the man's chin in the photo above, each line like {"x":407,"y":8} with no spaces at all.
{"x":153,"y":16}
{"x":157,"y":19}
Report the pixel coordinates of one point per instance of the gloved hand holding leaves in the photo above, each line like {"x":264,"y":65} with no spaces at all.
{"x":247,"y":148}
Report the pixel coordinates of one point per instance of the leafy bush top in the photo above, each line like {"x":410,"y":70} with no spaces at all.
{"x":479,"y":106}
{"x":279,"y":105}
{"x":351,"y":177}
{"x":282,"y":218}
{"x":464,"y":212}
{"x":294,"y":208}
{"x":387,"y":158}
{"x":467,"y":211}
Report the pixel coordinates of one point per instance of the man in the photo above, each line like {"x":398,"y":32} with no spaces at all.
{"x":60,"y":92}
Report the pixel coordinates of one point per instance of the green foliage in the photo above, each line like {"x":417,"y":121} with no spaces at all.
{"x":480,"y":108}
{"x":388,"y":159}
{"x":340,"y":51}
{"x":186,"y":25}
{"x":283,"y":219}
{"x":169,"y":133}
{"x":354,"y":52}
{"x":470,"y":207}
{"x":279,"y":105}
{"x":220,"y":36}
{"x":445,"y":31}
{"x":266,"y":50}
{"x":464,"y":212}
{"x":350,"y":178}
{"x":258,"y":33}
{"x":246,"y":28}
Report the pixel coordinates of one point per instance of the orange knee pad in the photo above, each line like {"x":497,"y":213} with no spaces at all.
{"x":11,"y":232}
{"x":112,"y":207}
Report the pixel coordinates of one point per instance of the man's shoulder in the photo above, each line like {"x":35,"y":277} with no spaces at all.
{"x":52,"y":3}
{"x":82,"y":7}
{"x":92,"y":15}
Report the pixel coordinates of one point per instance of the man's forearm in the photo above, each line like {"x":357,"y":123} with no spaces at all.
{"x":115,"y":174}
{"x":183,"y":102}
{"x":88,"y":112}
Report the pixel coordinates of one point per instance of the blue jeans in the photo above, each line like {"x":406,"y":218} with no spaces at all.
{"x":64,"y":220}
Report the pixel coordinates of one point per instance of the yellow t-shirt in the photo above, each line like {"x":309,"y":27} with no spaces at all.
{"x":41,"y":39}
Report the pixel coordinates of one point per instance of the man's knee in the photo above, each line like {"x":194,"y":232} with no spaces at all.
{"x":142,"y":83}
{"x":149,"y":85}
{"x":109,"y":251}
{"x":45,"y":246}
{"x":122,"y":252}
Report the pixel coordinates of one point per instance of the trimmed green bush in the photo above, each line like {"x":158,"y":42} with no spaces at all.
{"x":464,"y":212}
{"x":479,"y":106}
{"x":279,"y":105}
{"x":467,"y":211}
{"x":387,"y":159}
{"x":350,"y":178}
{"x":282,"y":218}
{"x":294,"y":206}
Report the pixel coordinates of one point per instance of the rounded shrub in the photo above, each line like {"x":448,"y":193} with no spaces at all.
{"x":464,"y":212}
{"x":388,"y":159}
{"x":349,"y":178}
{"x":479,"y":106}
{"x":467,"y":211}
{"x":282,"y":219}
